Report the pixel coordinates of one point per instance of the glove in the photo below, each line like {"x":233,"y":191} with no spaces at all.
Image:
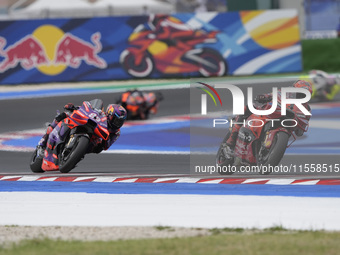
{"x":262,"y":98}
{"x":69,"y":107}
{"x":60,"y":117}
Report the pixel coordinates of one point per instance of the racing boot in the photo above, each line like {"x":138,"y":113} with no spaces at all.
{"x":238,"y":120}
{"x":43,"y":140}
{"x":231,"y":142}
{"x":40,"y":151}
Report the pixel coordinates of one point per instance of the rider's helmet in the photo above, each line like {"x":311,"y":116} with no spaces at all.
{"x":116,"y":115}
{"x":319,"y":73}
{"x":137,"y":98}
{"x":303,"y":84}
{"x":150,"y":98}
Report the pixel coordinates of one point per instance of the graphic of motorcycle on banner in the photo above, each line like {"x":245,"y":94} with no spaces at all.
{"x":169,"y":46}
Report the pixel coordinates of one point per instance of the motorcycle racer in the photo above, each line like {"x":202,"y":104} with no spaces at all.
{"x":325,"y":86}
{"x":140,"y":104}
{"x":265,"y":99}
{"x":115,"y":114}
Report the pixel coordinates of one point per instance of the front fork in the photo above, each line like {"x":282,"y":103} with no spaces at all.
{"x":70,"y":144}
{"x":266,"y":144}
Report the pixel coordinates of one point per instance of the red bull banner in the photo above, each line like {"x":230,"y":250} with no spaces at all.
{"x":154,"y":46}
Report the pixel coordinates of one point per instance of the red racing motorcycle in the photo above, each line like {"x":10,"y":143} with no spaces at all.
{"x":70,"y":139}
{"x":263,"y":140}
{"x":148,"y":53}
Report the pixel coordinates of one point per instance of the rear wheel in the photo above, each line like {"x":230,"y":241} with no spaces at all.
{"x":273,"y":155}
{"x":223,"y":160}
{"x":36,"y":162}
{"x":68,"y":159}
{"x":217,"y":65}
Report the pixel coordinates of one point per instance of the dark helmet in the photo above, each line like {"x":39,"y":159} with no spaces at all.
{"x":116,"y":115}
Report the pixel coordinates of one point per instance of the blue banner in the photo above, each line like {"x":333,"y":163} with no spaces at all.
{"x":155,"y":46}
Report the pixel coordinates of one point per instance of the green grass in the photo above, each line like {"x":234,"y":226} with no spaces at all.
{"x":323,"y":54}
{"x":272,"y":241}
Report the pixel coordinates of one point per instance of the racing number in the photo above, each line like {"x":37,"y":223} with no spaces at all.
{"x":94,"y":116}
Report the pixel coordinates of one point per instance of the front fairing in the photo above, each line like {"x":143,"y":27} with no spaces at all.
{"x":85,"y":115}
{"x":255,"y":130}
{"x":248,"y":136}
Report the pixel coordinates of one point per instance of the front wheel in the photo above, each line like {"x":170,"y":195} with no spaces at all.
{"x":273,"y":155}
{"x":140,"y":70}
{"x":68,"y":159}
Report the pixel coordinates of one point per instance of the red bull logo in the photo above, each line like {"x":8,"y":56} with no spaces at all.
{"x":28,"y":51}
{"x":51,"y":51}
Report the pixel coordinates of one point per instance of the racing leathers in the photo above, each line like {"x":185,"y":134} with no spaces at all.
{"x":329,"y":83}
{"x":96,"y":144}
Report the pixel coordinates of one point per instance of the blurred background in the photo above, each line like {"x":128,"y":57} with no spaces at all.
{"x":318,"y":18}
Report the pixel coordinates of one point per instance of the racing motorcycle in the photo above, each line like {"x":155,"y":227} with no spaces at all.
{"x":325,"y":92}
{"x":140,"y":104}
{"x":148,"y":53}
{"x":263,"y":145}
{"x":325,"y":86}
{"x":70,"y":139}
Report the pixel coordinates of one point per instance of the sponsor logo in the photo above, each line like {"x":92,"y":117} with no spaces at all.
{"x":51,"y":51}
{"x":244,"y":136}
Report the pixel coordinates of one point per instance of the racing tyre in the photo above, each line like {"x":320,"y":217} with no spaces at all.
{"x":68,"y":160}
{"x":36,"y":163}
{"x":222,"y":160}
{"x":144,"y":69}
{"x":217,"y":66}
{"x":273,"y":156}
